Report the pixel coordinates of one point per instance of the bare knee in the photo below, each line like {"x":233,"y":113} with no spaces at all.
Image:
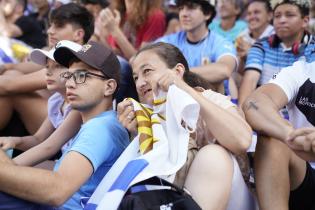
{"x":210,"y":177}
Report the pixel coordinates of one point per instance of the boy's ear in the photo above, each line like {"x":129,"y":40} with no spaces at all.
{"x":110,"y":87}
{"x":79,"y":35}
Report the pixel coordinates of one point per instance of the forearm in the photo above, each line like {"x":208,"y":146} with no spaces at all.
{"x":307,"y":156}
{"x":264,"y":117}
{"x":25,"y":67}
{"x":26,"y":142}
{"x":214,"y":73}
{"x":123,"y":43}
{"x":36,"y":155}
{"x":36,"y":185}
{"x":246,"y":88}
{"x":230,"y":130}
{"x":10,"y":84}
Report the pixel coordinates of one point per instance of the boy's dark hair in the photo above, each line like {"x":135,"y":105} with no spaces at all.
{"x":266,"y":3}
{"x":206,"y":7}
{"x":304,"y":6}
{"x":102,"y":3}
{"x":75,"y":14}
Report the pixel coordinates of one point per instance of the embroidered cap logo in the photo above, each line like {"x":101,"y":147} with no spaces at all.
{"x":85,"y":47}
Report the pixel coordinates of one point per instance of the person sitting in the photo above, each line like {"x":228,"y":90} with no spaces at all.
{"x":156,"y":67}
{"x":91,"y":83}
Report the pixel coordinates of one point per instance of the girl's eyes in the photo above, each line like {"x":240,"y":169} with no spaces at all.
{"x":146,"y":71}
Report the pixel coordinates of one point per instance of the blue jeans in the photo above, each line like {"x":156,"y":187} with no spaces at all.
{"x":8,"y":202}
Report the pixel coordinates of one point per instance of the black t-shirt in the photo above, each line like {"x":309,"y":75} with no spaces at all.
{"x":32,"y":33}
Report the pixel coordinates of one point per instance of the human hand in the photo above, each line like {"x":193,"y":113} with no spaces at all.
{"x":162,"y":82}
{"x":8,"y":142}
{"x":110,"y":19}
{"x":127,"y":116}
{"x":302,"y":139}
{"x":242,"y":47}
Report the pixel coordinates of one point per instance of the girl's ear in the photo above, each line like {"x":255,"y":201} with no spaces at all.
{"x":110,"y":87}
{"x":180,"y":69}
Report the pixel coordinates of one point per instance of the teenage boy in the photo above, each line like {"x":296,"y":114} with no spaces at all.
{"x":69,"y":22}
{"x":91,"y":83}
{"x":290,"y":43}
{"x":208,"y":54}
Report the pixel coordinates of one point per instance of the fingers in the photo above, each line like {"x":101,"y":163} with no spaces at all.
{"x":127,"y":115}
{"x":106,"y":16}
{"x":300,"y":132}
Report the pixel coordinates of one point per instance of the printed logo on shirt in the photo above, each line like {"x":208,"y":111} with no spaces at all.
{"x":305,"y":101}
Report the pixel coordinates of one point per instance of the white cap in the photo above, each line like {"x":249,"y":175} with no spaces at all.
{"x":40,"y":56}
{"x":64,"y":1}
{"x":69,"y":44}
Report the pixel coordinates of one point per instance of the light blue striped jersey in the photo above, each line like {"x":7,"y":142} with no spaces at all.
{"x":269,"y":61}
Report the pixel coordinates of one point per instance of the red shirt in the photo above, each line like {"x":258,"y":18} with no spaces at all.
{"x":152,"y":29}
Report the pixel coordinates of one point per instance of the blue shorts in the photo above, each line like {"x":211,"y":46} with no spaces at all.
{"x":8,"y":202}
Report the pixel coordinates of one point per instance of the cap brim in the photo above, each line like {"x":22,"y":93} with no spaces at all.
{"x":65,"y":52}
{"x":40,"y":56}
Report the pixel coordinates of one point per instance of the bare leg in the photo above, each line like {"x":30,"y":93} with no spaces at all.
{"x":277,"y":170}
{"x":5,"y":111}
{"x":32,"y":109}
{"x":210,"y":177}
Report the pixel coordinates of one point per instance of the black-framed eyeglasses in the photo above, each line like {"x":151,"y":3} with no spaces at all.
{"x":79,"y":76}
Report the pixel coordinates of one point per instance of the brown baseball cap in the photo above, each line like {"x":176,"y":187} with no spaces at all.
{"x":93,"y":54}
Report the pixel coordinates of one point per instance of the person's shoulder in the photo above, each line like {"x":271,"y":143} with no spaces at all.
{"x":173,"y":38}
{"x":55,"y":97}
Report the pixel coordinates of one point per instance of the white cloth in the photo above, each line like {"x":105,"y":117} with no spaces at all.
{"x":167,"y":157}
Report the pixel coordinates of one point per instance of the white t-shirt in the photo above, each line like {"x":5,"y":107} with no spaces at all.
{"x":298,"y":83}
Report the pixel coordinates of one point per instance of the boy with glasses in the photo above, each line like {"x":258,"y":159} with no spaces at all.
{"x":91,"y":82}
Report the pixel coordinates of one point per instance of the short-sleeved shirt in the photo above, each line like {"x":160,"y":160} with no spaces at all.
{"x":298,"y":83}
{"x":231,"y":34}
{"x":268,"y":60}
{"x":208,"y":50}
{"x":32,"y":33}
{"x":56,"y":116}
{"x":101,"y":140}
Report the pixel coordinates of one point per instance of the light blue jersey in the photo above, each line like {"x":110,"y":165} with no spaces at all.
{"x":231,"y":34}
{"x":101,"y":140}
{"x":208,"y":50}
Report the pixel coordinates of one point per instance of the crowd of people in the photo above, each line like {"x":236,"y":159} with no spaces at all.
{"x":67,"y":67}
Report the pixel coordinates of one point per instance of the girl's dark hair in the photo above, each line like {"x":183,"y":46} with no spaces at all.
{"x":171,"y":55}
{"x":76,"y":15}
